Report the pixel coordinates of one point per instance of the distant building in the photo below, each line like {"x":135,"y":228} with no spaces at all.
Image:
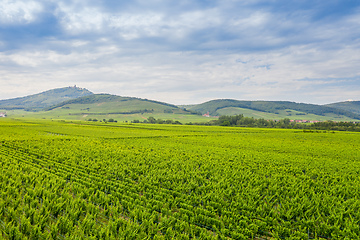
{"x":2,"y":114}
{"x":302,"y":121}
{"x":206,"y":114}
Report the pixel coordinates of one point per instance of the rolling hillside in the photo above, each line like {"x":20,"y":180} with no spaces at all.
{"x":351,"y":106}
{"x":73,"y":103}
{"x":45,"y":99}
{"x":274,"y":109}
{"x":98,"y":104}
{"x":107,"y":106}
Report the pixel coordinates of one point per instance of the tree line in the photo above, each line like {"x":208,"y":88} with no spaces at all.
{"x":241,"y":121}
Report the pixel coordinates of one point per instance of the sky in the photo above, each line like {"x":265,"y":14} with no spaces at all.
{"x":185,"y":51}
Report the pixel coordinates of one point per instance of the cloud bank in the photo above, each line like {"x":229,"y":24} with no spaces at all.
{"x":183,"y":52}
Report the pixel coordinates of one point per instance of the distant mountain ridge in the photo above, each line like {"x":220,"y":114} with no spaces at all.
{"x":104,"y":97}
{"x":103,"y":106}
{"x":351,"y":106}
{"x":212,"y":107}
{"x":75,"y":101}
{"x":44,"y":99}
{"x":100,"y":104}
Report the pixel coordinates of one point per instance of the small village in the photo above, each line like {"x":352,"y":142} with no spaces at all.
{"x":304,"y":121}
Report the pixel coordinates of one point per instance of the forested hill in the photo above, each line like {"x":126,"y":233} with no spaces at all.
{"x":44,"y":99}
{"x":275,"y":107}
{"x":113,"y":104}
{"x":74,"y":101}
{"x":103,"y":98}
{"x":351,"y":106}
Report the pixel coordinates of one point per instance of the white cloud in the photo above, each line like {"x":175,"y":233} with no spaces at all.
{"x":198,"y":19}
{"x":188,"y":77}
{"x":80,"y":21}
{"x":256,"y":19}
{"x":16,"y":12}
{"x":180,"y":55}
{"x":132,"y":26}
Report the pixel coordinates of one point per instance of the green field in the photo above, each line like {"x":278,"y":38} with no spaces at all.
{"x":275,"y":110}
{"x":127,"y":109}
{"x":86,"y":180}
{"x":105,"y":106}
{"x":66,"y":114}
{"x":287,"y":113}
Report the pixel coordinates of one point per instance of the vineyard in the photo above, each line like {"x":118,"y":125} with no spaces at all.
{"x":84,"y":180}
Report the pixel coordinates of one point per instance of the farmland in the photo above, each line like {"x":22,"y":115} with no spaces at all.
{"x":85,"y":180}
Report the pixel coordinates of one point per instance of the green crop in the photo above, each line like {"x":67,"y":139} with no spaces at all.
{"x":80,"y":180}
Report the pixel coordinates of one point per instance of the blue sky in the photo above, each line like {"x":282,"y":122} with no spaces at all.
{"x":183,"y":52}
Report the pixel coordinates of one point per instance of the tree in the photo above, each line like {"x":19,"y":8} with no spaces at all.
{"x":225,"y":123}
{"x":159,"y":121}
{"x":169,"y":121}
{"x":151,"y":120}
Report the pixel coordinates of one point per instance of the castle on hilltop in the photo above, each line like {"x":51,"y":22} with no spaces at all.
{"x":76,"y":87}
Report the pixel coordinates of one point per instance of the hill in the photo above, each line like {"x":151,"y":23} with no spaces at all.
{"x":282,"y":109}
{"x":107,"y":106}
{"x":75,"y":103}
{"x":116,"y":101}
{"x":45,"y":99}
{"x":351,"y":106}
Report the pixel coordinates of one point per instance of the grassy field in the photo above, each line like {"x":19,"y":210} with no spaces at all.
{"x":121,"y":111}
{"x":288,"y":113}
{"x":104,"y":106}
{"x":78,"y":114}
{"x":87,"y":180}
